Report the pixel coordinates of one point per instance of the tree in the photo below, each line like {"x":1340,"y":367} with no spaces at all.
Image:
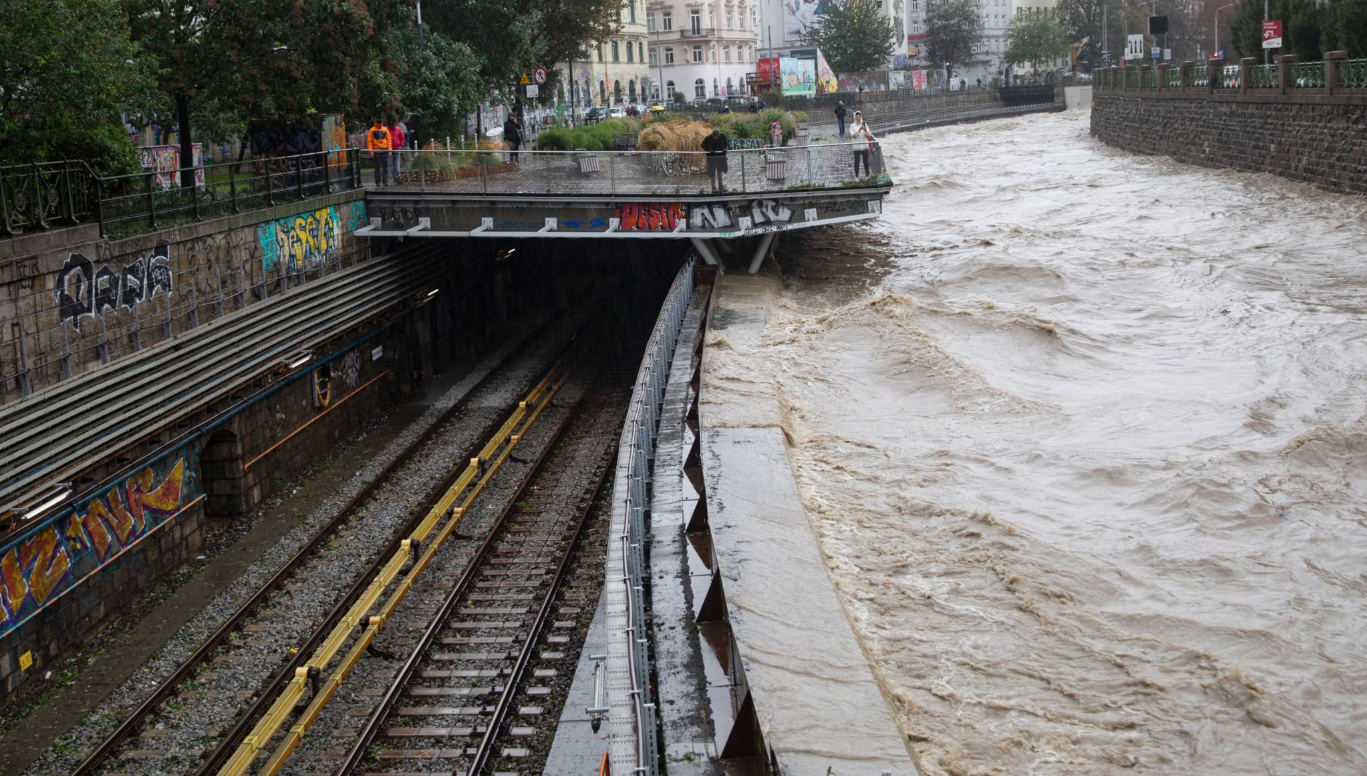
{"x":67,"y":72}
{"x":954,"y":29}
{"x":439,"y":81}
{"x":1082,"y":21}
{"x":1035,"y":39}
{"x":855,"y":35}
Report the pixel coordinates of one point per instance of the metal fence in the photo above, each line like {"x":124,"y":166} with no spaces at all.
{"x":1335,"y":75}
{"x":42,"y":196}
{"x":751,"y":171}
{"x":635,"y":748}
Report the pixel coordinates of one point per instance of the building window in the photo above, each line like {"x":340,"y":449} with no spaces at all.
{"x":614,"y":51}
{"x":697,"y":53}
{"x":669,"y":56}
{"x":599,"y":52}
{"x":700,"y":89}
{"x":650,"y":22}
{"x":640,"y":51}
{"x":668,"y":21}
{"x":631,"y":11}
{"x":728,"y":87}
{"x":617,"y":90}
{"x":726,"y":53}
{"x":695,"y":22}
{"x":631,"y":52}
{"x":716,"y":89}
{"x":654,"y":57}
{"x":730,"y":16}
{"x":669,"y":89}
{"x":631,"y":90}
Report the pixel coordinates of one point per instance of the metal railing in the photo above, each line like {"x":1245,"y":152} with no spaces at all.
{"x":700,"y":32}
{"x":42,"y":196}
{"x":1335,"y":75}
{"x":628,"y":661}
{"x":750,"y":171}
{"x":45,"y":195}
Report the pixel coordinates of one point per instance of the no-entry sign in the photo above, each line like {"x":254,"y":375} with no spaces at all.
{"x":1272,"y":34}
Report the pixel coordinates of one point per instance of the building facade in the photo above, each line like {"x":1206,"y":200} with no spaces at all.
{"x":610,"y":72}
{"x":700,"y":48}
{"x":989,"y":59}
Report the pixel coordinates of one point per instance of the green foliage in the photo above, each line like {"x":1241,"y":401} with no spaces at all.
{"x":1035,"y":39}
{"x":853,"y":34}
{"x":756,"y":125}
{"x":67,"y":70}
{"x":1309,"y":29}
{"x":439,"y":84}
{"x":953,"y":30}
{"x":591,"y":137}
{"x":1082,"y":21}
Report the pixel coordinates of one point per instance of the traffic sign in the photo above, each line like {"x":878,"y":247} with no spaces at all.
{"x":539,"y":75}
{"x":1272,"y":34}
{"x":1134,"y":47}
{"x":533,"y":91}
{"x":525,"y":80}
{"x":1155,"y":52}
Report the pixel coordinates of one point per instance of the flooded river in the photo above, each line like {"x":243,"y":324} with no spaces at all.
{"x":1084,"y":439}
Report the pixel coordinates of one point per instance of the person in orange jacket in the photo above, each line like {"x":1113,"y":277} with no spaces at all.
{"x":377,"y":141}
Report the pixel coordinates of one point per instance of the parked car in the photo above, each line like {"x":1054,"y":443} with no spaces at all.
{"x":594,"y":115}
{"x":617,"y":112}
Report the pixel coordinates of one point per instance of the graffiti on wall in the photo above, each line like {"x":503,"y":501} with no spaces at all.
{"x":709,"y":217}
{"x":285,"y":139}
{"x":83,"y":291}
{"x":308,"y":239}
{"x":768,"y":211}
{"x":757,"y":212}
{"x":164,"y":160}
{"x":39,"y":567}
{"x":334,"y":139}
{"x":650,"y":218}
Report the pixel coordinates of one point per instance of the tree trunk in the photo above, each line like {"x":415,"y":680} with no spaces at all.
{"x":187,"y":149}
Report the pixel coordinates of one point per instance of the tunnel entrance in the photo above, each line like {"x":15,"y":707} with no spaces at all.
{"x":222,"y":474}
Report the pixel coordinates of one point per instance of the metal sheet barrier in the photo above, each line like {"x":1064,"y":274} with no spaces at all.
{"x":632,"y":723}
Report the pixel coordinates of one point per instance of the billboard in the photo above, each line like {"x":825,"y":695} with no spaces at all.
{"x":797,"y":76}
{"x":798,"y":15}
{"x":766,"y":68}
{"x":826,"y":81}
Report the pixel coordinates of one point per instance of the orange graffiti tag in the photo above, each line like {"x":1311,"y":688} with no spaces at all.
{"x":46,"y":560}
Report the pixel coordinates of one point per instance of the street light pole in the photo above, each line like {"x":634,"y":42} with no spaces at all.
{"x":1217,"y":28}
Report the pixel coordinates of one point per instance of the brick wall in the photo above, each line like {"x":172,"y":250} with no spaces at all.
{"x":1319,"y":142}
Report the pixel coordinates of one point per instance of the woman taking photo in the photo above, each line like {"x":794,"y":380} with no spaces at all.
{"x":862,"y":139}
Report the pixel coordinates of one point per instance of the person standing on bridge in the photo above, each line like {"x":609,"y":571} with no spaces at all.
{"x":840,"y":117}
{"x":512,"y":135}
{"x":715,"y":145}
{"x":863,"y":143}
{"x":398,"y":140}
{"x":377,"y":140}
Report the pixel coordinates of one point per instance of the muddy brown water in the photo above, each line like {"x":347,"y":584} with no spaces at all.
{"x":1083,"y":436}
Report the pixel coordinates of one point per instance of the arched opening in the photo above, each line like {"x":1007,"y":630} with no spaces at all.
{"x":602,"y":92}
{"x":669,"y":90}
{"x":700,"y":89}
{"x":728,"y":87}
{"x":631,"y":90}
{"x":221,"y":473}
{"x":616,"y":91}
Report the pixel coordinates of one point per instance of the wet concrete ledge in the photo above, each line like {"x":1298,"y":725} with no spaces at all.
{"x":814,"y":694}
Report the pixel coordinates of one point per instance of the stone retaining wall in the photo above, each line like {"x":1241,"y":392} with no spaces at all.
{"x":1318,"y":141}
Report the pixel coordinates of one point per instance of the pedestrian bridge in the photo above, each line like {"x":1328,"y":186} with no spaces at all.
{"x":625,"y":195}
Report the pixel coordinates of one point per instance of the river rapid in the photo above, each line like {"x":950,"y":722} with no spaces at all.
{"x":1083,"y":436}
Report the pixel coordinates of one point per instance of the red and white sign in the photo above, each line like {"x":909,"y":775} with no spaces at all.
{"x":539,"y":76}
{"x":766,"y":68}
{"x":1272,"y":34}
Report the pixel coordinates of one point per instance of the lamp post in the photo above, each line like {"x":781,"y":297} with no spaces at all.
{"x":1217,"y":28}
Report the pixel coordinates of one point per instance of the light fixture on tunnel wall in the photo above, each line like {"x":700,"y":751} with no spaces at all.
{"x":59,"y":493}
{"x":421,"y":298}
{"x":505,"y":255}
{"x":297,"y":360}
{"x":432,"y":293}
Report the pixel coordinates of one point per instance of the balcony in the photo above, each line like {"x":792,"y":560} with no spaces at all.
{"x":699,"y":32}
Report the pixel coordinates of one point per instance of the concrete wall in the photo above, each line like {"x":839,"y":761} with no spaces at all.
{"x":70,"y":301}
{"x":1322,"y":141}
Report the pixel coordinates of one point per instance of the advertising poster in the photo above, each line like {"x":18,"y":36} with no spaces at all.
{"x":918,"y":79}
{"x":798,"y":77}
{"x":798,"y":15}
{"x":164,"y":160}
{"x":826,"y":82}
{"x":766,"y":68}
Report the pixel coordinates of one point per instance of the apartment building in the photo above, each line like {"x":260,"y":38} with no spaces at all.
{"x":700,"y":48}
{"x":614,"y":71}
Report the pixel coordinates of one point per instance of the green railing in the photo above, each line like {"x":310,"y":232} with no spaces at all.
{"x":1150,"y":79}
{"x":1262,"y":77}
{"x":1132,"y":78}
{"x":1353,"y":74}
{"x":1229,"y":77}
{"x":1172,"y":78}
{"x":1307,"y":75}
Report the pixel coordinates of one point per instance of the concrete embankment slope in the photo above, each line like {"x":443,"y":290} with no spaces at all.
{"x":814,"y":692}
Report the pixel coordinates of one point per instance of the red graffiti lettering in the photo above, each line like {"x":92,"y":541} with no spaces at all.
{"x":649,"y":218}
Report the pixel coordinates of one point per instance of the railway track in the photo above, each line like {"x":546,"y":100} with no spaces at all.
{"x":246,"y":657}
{"x":482,"y":687}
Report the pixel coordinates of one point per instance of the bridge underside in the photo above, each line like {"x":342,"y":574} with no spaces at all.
{"x":400,"y":212}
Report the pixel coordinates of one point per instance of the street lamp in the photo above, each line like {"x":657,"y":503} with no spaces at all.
{"x":1217,"y":28}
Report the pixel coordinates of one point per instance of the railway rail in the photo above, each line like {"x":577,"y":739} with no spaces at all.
{"x":479,"y":691}
{"x":454,"y":422}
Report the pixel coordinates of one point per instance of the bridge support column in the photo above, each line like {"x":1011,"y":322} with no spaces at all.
{"x":764,"y":243}
{"x":704,"y":250}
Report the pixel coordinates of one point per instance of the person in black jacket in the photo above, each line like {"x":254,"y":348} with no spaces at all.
{"x":715,"y":145}
{"x":840,"y":117}
{"x":512,"y":135}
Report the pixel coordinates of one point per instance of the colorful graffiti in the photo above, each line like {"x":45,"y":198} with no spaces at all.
{"x":39,"y":567}
{"x":308,"y":239}
{"x":334,"y":139}
{"x":165,"y":160}
{"x":650,"y":218}
{"x":83,"y":291}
